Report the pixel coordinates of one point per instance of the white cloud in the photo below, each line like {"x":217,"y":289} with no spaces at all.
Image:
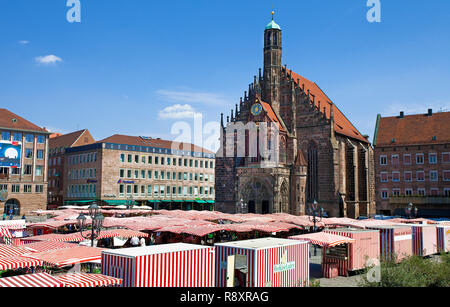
{"x":193,"y":97}
{"x":48,"y":59}
{"x":178,"y":111}
{"x":24,"y":42}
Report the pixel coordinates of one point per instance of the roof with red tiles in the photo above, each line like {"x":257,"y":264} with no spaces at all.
{"x":159,"y":143}
{"x":69,"y":140}
{"x":341,"y":124}
{"x":271,"y":114}
{"x":10,"y":120}
{"x":413,"y":130}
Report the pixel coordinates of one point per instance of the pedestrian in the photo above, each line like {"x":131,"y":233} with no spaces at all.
{"x":142,"y":242}
{"x":10,"y":214}
{"x":4,"y":215}
{"x":134,"y":241}
{"x":23,"y":217}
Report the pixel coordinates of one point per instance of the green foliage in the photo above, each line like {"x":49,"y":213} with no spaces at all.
{"x":314,"y":283}
{"x":413,"y":272}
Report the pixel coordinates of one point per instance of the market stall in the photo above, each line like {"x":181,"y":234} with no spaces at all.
{"x":17,"y":262}
{"x":168,"y":265}
{"x":424,"y":239}
{"x":87,"y":280}
{"x":68,"y":256}
{"x":266,"y":262}
{"x":395,"y":241}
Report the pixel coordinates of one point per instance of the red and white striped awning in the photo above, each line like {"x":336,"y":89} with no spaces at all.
{"x":323,"y":239}
{"x":76,"y":237}
{"x":11,"y":251}
{"x":87,"y":280}
{"x":68,"y":256}
{"x":44,"y":246}
{"x":4,"y":232}
{"x":31,"y":280}
{"x":13,"y":224}
{"x":18,"y":262}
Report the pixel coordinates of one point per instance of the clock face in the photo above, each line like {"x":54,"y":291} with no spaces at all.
{"x":256,"y":109}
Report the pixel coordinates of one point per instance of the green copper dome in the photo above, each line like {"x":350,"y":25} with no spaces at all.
{"x":273,"y":25}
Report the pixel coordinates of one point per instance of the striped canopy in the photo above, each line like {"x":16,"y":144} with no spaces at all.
{"x":323,"y":239}
{"x":18,"y":262}
{"x":11,"y":251}
{"x":87,"y":280}
{"x":31,"y":280}
{"x":68,"y":256}
{"x":43,"y":246}
{"x":13,"y":224}
{"x":76,"y":237}
{"x":4,"y":232}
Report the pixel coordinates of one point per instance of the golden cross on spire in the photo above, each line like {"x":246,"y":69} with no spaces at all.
{"x":273,"y":13}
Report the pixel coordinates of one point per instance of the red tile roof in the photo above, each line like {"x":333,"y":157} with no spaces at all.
{"x":10,"y":120}
{"x":271,"y":114}
{"x":414,"y":130}
{"x":341,"y":124}
{"x":159,"y":143}
{"x":67,"y":140}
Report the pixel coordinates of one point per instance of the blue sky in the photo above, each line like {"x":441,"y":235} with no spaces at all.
{"x":128,"y":64}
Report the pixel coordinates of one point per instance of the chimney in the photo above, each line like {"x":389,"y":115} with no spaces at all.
{"x":430,"y":112}
{"x":402,"y":114}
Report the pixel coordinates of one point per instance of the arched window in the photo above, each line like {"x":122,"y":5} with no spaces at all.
{"x":313,"y":182}
{"x":12,"y":206}
{"x":275,"y":39}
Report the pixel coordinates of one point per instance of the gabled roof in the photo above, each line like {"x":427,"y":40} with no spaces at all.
{"x":159,"y":143}
{"x":414,"y":129}
{"x":341,"y":124}
{"x":13,"y":121}
{"x":67,"y":140}
{"x":271,"y":114}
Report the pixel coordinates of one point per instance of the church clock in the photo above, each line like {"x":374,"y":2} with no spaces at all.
{"x":256,"y":109}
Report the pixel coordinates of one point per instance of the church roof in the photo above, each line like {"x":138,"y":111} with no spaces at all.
{"x":273,"y":25}
{"x":341,"y":124}
{"x":271,"y":114}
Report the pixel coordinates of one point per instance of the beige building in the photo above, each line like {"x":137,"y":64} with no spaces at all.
{"x":120,"y":170}
{"x":23,"y":165}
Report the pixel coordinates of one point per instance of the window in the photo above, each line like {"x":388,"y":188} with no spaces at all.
{"x":156,"y":160}
{"x":155,"y":190}
{"x":39,"y":170}
{"x":395,"y":176}
{"x":27,"y":188}
{"x":130,"y":159}
{"x":419,"y":159}
{"x":121,"y":189}
{"x":28,"y":169}
{"x":420,"y":175}
{"x":185,"y":177}
{"x":179,"y":176}
{"x":28,"y":153}
{"x":174,"y":191}
{"x":446,"y":157}
{"x":447,"y":192}
{"x":6,"y":136}
{"x":190,"y":163}
{"x":432,"y":158}
{"x":446,"y":175}
{"x":29,"y":138}
{"x":40,"y":139}
{"x":149,"y":190}
{"x":39,"y":188}
{"x":408,"y":192}
{"x":17,"y":137}
{"x":135,"y":189}
{"x":168,"y":175}
{"x":408,"y":176}
{"x":190,"y":176}
{"x":122,"y":173}
{"x":168,"y":161}
{"x":395,"y":192}
{"x":383,"y":160}
{"x":179,"y":191}
{"x":136,"y":159}
{"x":162,"y":160}
{"x":421,"y":192}
{"x":136,"y":174}
{"x":122,"y":158}
{"x":201,"y":177}
{"x":15,"y":188}
{"x":128,"y":189}
{"x":201,"y":164}
{"x":149,"y":174}
{"x":196,"y":163}
{"x":156,"y":175}
{"x":384,"y":194}
{"x":162,"y":175}
{"x":143,"y":159}
{"x":142,"y":189}
{"x":434,"y":175}
{"x":142,"y":174}
{"x":407,"y":159}
{"x":394,"y":159}
{"x":150,"y":160}
{"x":162,"y":190}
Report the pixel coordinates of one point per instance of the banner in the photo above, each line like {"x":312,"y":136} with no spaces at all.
{"x":10,"y":154}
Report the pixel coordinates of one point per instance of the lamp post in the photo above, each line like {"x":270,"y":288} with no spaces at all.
{"x":130,"y":202}
{"x":315,"y":213}
{"x":240,"y":206}
{"x":411,"y":211}
{"x":96,"y":223}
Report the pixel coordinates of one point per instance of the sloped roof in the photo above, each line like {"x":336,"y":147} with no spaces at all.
{"x":341,"y":124}
{"x":139,"y":141}
{"x":271,"y":114}
{"x":300,"y":160}
{"x":66,"y":140}
{"x":11,"y":120}
{"x":414,"y":129}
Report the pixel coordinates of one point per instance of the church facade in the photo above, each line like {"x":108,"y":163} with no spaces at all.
{"x":287,"y":145}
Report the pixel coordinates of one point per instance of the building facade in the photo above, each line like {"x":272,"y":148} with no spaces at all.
{"x":123,"y":170}
{"x":412,"y":158}
{"x":320,"y":155}
{"x":58,"y":145}
{"x":23,"y":164}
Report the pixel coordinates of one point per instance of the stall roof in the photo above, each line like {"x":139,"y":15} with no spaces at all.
{"x":87,"y":280}
{"x":11,"y":251}
{"x":18,"y":262}
{"x":43,"y":246}
{"x":154,"y":249}
{"x":323,"y":239}
{"x":31,"y":280}
{"x":13,"y":224}
{"x":76,"y":237}
{"x":260,"y":243}
{"x":5,"y":233}
{"x":68,"y":256}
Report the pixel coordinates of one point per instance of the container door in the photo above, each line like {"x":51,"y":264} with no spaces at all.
{"x":230,"y":270}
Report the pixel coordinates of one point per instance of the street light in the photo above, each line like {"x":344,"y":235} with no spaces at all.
{"x":96,"y":223}
{"x":410,"y":209}
{"x":241,"y":205}
{"x":130,"y":202}
{"x":316,"y":213}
